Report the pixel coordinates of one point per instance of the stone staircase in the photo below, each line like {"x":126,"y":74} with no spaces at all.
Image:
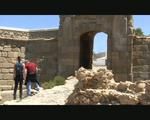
{"x":6,"y":85}
{"x":7,"y":95}
{"x":6,"y":90}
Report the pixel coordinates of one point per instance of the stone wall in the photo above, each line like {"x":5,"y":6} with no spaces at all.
{"x":74,"y":27}
{"x":14,"y":34}
{"x":45,"y":51}
{"x":9,"y":50}
{"x":40,"y":34}
{"x":43,"y":48}
{"x":141,"y":58}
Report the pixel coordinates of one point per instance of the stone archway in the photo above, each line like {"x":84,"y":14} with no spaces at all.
{"x":73,"y":28}
{"x":86,"y":49}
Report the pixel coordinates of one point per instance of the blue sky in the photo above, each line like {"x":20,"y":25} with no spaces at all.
{"x":52,"y":21}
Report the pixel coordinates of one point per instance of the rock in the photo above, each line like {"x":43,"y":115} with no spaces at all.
{"x":100,"y":88}
{"x":128,"y":99}
{"x":70,"y":77}
{"x":122,"y":87}
{"x":140,"y":87}
{"x":132,"y":87}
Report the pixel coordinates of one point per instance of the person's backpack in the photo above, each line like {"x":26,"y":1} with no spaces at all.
{"x":19,"y":68}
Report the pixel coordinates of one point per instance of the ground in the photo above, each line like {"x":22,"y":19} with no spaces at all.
{"x":54,"y":96}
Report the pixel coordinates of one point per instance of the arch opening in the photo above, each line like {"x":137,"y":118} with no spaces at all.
{"x":100,"y":50}
{"x":93,"y":44}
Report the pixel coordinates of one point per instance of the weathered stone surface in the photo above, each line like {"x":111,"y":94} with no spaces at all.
{"x":11,"y":70}
{"x":23,"y":49}
{"x":8,"y":76}
{"x":11,"y":34}
{"x":13,"y":54}
{"x":40,"y":44}
{"x":2,"y":59}
{"x":4,"y":54}
{"x":8,"y":49}
{"x":140,"y":87}
{"x":11,"y":60}
{"x":128,"y":99}
{"x":6,"y":82}
{"x":71,"y":34}
{"x":1,"y":76}
{"x":22,"y":55}
{"x":74,"y":29}
{"x":5,"y":70}
{"x":141,"y":56}
{"x":1,"y":48}
{"x":15,"y":49}
{"x":122,"y":93}
{"x":7,"y":65}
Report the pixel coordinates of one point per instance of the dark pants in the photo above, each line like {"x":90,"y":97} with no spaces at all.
{"x":18,"y":80}
{"x":33,"y":78}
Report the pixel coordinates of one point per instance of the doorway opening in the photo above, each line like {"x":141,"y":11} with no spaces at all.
{"x":93,"y":45}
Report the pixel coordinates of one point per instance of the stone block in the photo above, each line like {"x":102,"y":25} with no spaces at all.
{"x":5,"y":70}
{"x":1,"y":65}
{"x":6,"y":82}
{"x":13,"y":54}
{"x":1,"y":76}
{"x":4,"y":54}
{"x":11,"y":70}
{"x":120,"y":77}
{"x":7,"y":46}
{"x":22,"y":55}
{"x":15,"y":49}
{"x":144,"y":68}
{"x":22,"y":49}
{"x":8,"y":76}
{"x":1,"y":48}
{"x":141,"y":75}
{"x":7,"y":65}
{"x":7,"y":49}
{"x":11,"y":60}
{"x":140,"y":62}
{"x":6,"y":87}
{"x":140,"y":48}
{"x":3,"y":59}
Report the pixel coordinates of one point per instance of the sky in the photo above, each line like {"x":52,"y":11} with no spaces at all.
{"x":52,"y":21}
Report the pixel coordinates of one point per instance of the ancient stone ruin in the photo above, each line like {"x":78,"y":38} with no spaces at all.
{"x":99,"y":88}
{"x":64,"y":50}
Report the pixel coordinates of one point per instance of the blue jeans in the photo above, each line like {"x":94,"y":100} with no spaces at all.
{"x":29,"y":83}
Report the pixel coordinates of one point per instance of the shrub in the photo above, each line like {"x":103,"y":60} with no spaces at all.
{"x":58,"y":80}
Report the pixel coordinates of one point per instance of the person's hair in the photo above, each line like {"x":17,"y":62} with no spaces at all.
{"x":19,"y":58}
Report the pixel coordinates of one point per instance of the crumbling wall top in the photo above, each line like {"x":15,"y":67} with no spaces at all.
{"x":26,"y":34}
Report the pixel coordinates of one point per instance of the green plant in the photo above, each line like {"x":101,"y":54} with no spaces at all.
{"x":138,"y":31}
{"x":48,"y":85}
{"x":58,"y":80}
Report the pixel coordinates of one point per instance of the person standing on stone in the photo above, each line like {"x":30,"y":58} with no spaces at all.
{"x":19,"y":76}
{"x":31,"y":77}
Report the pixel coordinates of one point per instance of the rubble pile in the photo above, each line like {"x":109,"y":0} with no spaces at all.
{"x":100,"y":88}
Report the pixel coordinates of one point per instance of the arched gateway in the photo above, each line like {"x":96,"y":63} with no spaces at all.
{"x":75,"y":43}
